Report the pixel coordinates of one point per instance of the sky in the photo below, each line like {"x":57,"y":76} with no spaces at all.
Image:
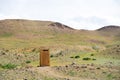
{"x":78,"y":14}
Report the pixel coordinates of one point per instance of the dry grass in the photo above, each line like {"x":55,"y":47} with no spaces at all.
{"x":87,"y":51}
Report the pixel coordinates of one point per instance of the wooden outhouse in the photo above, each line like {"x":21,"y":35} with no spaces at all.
{"x":44,"y":57}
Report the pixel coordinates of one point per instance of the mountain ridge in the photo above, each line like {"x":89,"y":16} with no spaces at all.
{"x":54,"y":24}
{"x":109,"y":27}
{"x":31,"y":33}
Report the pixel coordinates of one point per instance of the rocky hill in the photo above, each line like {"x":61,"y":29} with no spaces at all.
{"x":15,"y":25}
{"x":60,"y":26}
{"x":25,"y":33}
{"x":110,"y":31}
{"x":109,"y":28}
{"x":30,"y":28}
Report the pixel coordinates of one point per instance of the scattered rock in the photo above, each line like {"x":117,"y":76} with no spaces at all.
{"x":92,"y":64}
{"x":17,"y":58}
{"x":84,"y":70}
{"x":118,"y":45}
{"x":28,"y":67}
{"x":88,"y":64}
{"x":91,"y":68}
{"x":77,"y":67}
{"x":83,"y":66}
{"x":73,"y":63}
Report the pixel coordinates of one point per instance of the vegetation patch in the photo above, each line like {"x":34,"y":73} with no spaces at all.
{"x":93,"y":59}
{"x":28,"y":61}
{"x":92,"y":55}
{"x":71,"y":73}
{"x":86,"y":58}
{"x":76,"y":57}
{"x":6,"y":35}
{"x":51,"y":56}
{"x":71,"y":57}
{"x":8,"y":66}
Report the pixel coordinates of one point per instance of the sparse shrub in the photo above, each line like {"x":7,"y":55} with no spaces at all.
{"x":110,"y":76}
{"x":61,"y":53}
{"x":95,"y":48}
{"x":9,"y":66}
{"x":93,"y":59}
{"x":104,"y":72}
{"x":71,"y":73}
{"x":33,"y":50}
{"x":28,"y":61}
{"x":51,"y":56}
{"x":71,"y":57}
{"x":98,"y":68}
{"x":7,"y":50}
{"x":92,"y":55}
{"x":3,"y":53}
{"x":118,"y":45}
{"x":86,"y":58}
{"x":77,"y":56}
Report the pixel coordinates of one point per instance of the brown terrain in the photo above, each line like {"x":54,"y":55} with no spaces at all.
{"x":74,"y":54}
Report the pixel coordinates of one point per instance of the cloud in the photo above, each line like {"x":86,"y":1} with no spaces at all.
{"x":92,"y":19}
{"x":92,"y":22}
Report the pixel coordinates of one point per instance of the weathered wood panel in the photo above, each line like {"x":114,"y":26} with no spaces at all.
{"x":44,"y":57}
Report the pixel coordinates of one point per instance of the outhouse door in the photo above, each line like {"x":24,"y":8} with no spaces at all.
{"x":44,"y":57}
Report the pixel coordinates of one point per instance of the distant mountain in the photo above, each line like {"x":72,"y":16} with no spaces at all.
{"x":11,"y":24}
{"x":60,"y":26}
{"x":109,"y":28}
{"x":27,"y":29}
{"x":25,"y":33}
{"x":21,"y":27}
{"x":110,"y":31}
